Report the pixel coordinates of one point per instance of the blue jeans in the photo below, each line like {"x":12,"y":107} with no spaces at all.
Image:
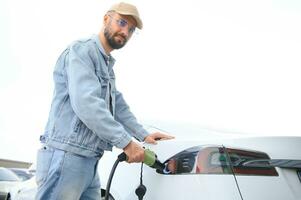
{"x":62,"y":175}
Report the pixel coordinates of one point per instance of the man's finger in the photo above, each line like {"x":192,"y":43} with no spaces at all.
{"x":164,"y":137}
{"x":153,"y":141}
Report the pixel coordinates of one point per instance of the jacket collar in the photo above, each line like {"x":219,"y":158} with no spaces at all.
{"x":108,"y":58}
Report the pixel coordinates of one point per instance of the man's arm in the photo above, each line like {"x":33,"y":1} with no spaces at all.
{"x":85,"y":97}
{"x":127,"y":118}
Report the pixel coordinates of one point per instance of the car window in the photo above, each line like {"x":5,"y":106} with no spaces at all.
{"x":7,"y":175}
{"x":22,"y":173}
{"x":219,"y":160}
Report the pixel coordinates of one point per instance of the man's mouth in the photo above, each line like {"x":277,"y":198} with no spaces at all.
{"x":120,"y":39}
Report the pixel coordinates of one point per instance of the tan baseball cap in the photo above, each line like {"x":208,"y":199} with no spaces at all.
{"x":127,"y":9}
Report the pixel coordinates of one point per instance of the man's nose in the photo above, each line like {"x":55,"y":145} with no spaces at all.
{"x":125,"y":32}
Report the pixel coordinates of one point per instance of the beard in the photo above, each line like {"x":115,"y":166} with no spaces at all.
{"x":110,"y":37}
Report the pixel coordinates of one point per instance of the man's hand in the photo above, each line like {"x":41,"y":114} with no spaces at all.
{"x":153,"y":137}
{"x":134,"y":152}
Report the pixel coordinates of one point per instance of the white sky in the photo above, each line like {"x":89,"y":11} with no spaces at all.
{"x":227,"y":65}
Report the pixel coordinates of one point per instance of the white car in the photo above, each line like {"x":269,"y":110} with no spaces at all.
{"x":8,"y":180}
{"x":26,"y":190}
{"x":211,"y":165}
{"x":208,"y":165}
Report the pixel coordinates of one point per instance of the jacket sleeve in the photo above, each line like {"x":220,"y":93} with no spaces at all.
{"x":127,"y":119}
{"x":85,"y":96}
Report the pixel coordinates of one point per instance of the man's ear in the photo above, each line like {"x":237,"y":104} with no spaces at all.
{"x":105,"y":19}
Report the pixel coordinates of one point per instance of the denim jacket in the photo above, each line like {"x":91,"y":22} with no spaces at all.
{"x":88,"y":114}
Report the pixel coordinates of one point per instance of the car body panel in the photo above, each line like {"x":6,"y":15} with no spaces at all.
{"x":287,"y":185}
{"x":126,"y":180}
{"x":263,"y":187}
{"x":191,"y":187}
{"x":201,"y":186}
{"x":25,"y":190}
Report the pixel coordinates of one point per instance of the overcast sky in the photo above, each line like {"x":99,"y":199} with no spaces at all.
{"x":225,"y":65}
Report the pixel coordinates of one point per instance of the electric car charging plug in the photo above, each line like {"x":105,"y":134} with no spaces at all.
{"x":150,"y":159}
{"x":141,"y":189}
{"x":122,"y":157}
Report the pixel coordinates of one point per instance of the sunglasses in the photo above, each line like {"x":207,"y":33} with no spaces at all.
{"x":122,"y":23}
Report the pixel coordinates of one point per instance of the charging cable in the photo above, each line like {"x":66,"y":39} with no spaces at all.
{"x":121,"y":157}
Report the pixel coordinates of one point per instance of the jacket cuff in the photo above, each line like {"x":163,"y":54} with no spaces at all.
{"x":141,"y":134}
{"x":124,"y":141}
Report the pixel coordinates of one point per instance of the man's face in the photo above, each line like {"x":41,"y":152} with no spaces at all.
{"x":118,"y":29}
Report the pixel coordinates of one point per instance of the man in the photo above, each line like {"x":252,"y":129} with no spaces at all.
{"x":88,"y":114}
